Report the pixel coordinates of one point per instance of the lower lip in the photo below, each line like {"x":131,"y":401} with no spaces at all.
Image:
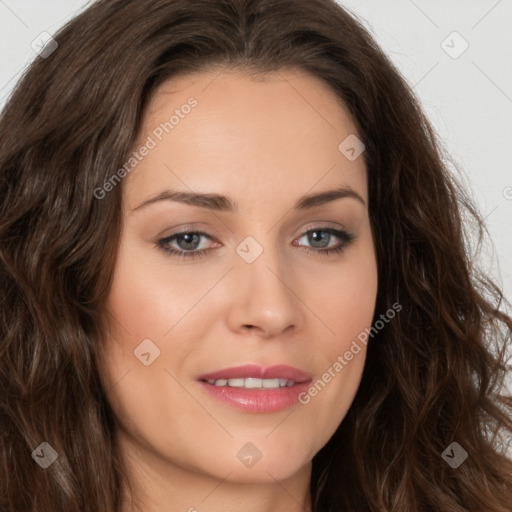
{"x":256,"y":400}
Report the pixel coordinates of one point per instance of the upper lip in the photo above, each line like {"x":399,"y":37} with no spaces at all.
{"x":259,"y":372}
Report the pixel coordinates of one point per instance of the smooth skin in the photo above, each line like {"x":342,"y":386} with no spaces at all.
{"x":264,"y":143}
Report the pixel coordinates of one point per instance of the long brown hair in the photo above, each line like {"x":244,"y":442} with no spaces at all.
{"x":433,"y":375}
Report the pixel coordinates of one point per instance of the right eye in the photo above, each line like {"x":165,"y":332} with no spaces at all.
{"x":187,"y":244}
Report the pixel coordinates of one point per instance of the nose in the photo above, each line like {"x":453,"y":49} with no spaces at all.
{"x":265,"y":300}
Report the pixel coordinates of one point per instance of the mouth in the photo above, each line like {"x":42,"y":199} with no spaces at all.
{"x":254,"y":388}
{"x":252,"y":383}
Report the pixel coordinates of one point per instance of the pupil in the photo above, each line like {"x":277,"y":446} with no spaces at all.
{"x":322,"y":234}
{"x":190,"y":239}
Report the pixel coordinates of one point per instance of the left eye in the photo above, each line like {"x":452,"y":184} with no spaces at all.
{"x":188,"y":242}
{"x":323,"y":236}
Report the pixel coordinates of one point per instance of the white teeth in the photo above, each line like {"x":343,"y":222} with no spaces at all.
{"x":236,"y":383}
{"x":253,"y":383}
{"x":270,"y":383}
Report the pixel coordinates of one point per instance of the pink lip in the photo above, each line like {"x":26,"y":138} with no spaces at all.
{"x":259,"y":372}
{"x":257,"y":400}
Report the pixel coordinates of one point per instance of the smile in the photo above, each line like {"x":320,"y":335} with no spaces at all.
{"x":254,"y":388}
{"x":253,"y":383}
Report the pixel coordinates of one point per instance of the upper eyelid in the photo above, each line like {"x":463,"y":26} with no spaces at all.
{"x":320,"y":225}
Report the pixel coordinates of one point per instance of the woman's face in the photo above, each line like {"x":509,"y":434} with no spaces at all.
{"x":265,"y":292}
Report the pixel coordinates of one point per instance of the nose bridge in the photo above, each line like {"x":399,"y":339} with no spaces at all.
{"x":265,"y":297}
{"x":261,"y":265}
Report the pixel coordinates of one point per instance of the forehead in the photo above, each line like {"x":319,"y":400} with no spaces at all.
{"x":280,"y":131}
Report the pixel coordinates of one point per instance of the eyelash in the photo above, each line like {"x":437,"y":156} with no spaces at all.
{"x":346,"y":236}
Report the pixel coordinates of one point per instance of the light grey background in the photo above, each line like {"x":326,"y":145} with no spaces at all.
{"x":468,"y":98}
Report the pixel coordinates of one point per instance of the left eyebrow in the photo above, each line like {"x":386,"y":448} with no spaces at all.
{"x":223,"y":203}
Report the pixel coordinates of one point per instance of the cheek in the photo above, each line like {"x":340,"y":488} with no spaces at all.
{"x":347,"y":300}
{"x":346,"y":306}
{"x":143,"y":310}
{"x":149,"y":296}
